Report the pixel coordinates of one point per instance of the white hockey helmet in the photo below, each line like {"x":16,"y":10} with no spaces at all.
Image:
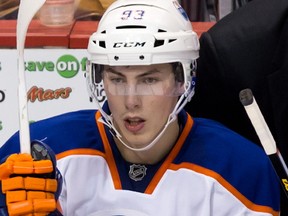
{"x":144,"y":32}
{"x":138,"y":32}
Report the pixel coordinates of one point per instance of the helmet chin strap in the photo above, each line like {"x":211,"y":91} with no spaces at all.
{"x":108,"y":120}
{"x":116,"y":134}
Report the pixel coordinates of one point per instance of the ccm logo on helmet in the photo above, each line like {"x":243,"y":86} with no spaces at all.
{"x":2,"y":96}
{"x":128,"y":44}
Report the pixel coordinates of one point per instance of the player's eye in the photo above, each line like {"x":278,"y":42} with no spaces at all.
{"x":150,"y":80}
{"x":117,"y":80}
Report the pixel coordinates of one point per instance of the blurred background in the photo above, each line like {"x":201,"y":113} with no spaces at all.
{"x":197,"y":10}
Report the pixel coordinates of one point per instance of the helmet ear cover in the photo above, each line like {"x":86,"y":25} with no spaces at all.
{"x":96,"y":73}
{"x":178,"y":72}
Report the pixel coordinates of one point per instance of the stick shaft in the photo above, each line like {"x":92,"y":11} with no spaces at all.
{"x":27,"y":10}
{"x":255,"y":115}
{"x":22,"y":27}
{"x":23,"y":111}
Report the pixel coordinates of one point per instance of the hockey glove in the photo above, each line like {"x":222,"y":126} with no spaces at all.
{"x":30,"y":185}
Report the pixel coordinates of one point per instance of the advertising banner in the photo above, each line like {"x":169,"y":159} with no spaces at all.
{"x":55,"y":84}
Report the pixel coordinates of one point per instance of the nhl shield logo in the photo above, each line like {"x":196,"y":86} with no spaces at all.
{"x":137,"y":172}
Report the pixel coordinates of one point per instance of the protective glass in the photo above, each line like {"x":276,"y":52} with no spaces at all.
{"x":148,"y":84}
{"x":143,"y":87}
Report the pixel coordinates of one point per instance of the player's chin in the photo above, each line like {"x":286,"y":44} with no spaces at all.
{"x":138,"y":140}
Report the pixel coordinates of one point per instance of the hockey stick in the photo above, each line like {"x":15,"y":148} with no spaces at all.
{"x":27,"y":10}
{"x":254,"y":113}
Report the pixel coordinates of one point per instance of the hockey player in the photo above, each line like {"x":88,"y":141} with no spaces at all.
{"x":140,"y":153}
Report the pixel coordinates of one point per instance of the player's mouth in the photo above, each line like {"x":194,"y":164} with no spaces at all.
{"x":134,"y":125}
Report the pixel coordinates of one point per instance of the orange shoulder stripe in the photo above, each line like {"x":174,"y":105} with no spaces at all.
{"x":108,"y":153}
{"x":80,"y":151}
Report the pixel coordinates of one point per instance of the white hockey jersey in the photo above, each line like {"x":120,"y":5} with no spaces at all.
{"x":211,"y":171}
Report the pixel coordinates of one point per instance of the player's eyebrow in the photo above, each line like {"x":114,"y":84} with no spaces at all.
{"x":152,"y":71}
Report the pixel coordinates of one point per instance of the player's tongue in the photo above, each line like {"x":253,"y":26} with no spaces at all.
{"x":134,"y":124}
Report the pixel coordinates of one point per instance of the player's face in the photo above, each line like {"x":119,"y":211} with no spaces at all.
{"x":140,"y":99}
